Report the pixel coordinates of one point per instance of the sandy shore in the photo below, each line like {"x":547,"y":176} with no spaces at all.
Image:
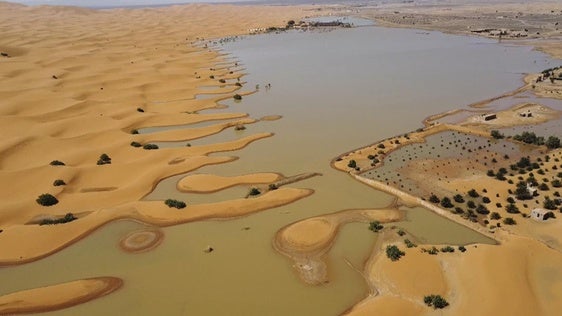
{"x":59,"y":296}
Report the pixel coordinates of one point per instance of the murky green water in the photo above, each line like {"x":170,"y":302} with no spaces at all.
{"x":336,"y":91}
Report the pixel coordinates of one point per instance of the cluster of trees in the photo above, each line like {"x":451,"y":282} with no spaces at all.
{"x":552,"y":142}
{"x":394,"y":253}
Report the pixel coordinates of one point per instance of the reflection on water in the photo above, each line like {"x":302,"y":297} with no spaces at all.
{"x":336,"y":91}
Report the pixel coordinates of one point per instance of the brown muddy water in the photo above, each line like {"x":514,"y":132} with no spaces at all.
{"x":336,"y":91}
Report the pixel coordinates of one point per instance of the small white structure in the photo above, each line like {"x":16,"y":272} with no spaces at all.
{"x":531,"y":189}
{"x":539,"y":214}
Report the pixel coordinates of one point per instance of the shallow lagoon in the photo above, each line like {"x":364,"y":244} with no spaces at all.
{"x":336,"y":91}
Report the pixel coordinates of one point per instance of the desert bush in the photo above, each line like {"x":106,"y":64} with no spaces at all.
{"x":57,"y":163}
{"x":495,"y":216}
{"x":434,"y":199}
{"x":136,"y":144}
{"x":394,"y":253}
{"x":104,"y":160}
{"x":59,"y":182}
{"x":175,"y":203}
{"x":150,"y":146}
{"x":509,"y":221}
{"x":375,"y":226}
{"x":237,"y":97}
{"x":254,"y":191}
{"x":436,"y":301}
{"x":46,"y":199}
{"x":69,"y":217}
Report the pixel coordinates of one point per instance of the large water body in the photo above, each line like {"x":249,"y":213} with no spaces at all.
{"x":336,"y":91}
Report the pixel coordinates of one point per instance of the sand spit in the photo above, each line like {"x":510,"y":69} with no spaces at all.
{"x":307,"y":242}
{"x":78,"y":84}
{"x":59,"y":296}
{"x":208,"y":183}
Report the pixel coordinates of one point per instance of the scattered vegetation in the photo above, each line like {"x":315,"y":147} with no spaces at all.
{"x":57,"y":163}
{"x":237,"y":97}
{"x":58,"y":183}
{"x":352,"y":164}
{"x":175,"y":203}
{"x":409,"y":243}
{"x":136,"y":144}
{"x":69,"y":217}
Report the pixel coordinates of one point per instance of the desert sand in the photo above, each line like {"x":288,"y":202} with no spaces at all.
{"x":78,"y":83}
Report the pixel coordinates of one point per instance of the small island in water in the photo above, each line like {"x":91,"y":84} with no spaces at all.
{"x":199,"y":158}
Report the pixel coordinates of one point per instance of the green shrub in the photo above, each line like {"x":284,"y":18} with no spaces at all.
{"x":150,"y":146}
{"x":434,"y":199}
{"x":136,"y":144}
{"x":512,"y":208}
{"x":352,"y":164}
{"x":496,"y":134}
{"x":394,"y":253}
{"x":448,"y":249}
{"x":57,"y":163}
{"x":495,"y":216}
{"x":175,"y":203}
{"x":458,"y":198}
{"x":135,"y":131}
{"x":436,"y":301}
{"x":401,"y":232}
{"x":375,"y":226}
{"x":254,"y":191}
{"x":409,"y":243}
{"x":237,"y":97}
{"x":462,"y":249}
{"x":104,"y":160}
{"x":473,"y":193}
{"x":69,"y":217}
{"x":47,"y":200}
{"x":141,"y":110}
{"x":446,"y":202}
{"x":59,"y":182}
{"x":272,"y":187}
{"x":509,"y":221}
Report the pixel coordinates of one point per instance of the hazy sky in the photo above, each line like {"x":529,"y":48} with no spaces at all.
{"x":96,"y":3}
